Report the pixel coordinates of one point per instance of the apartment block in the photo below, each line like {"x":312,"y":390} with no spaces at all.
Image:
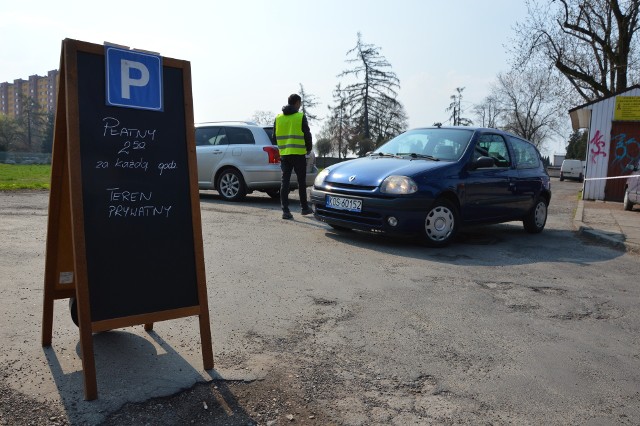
{"x":43,"y":90}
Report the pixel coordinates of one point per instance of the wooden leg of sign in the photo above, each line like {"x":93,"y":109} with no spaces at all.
{"x":47,"y":316}
{"x":205,"y":341}
{"x":148,"y":327}
{"x":88,"y":363}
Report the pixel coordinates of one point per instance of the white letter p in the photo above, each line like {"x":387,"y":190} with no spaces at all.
{"x":127,"y":81}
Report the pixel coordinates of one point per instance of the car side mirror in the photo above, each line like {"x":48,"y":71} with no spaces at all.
{"x":482,"y":163}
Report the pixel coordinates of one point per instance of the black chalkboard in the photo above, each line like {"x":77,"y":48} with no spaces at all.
{"x":124,"y":235}
{"x":136,"y":199}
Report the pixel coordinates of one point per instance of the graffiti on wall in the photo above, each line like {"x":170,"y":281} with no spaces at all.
{"x":597,"y":146}
{"x":626,"y":150}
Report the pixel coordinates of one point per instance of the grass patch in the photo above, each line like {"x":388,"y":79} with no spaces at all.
{"x":25,"y":176}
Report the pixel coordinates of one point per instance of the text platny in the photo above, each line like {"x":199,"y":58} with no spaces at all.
{"x":112,"y":128}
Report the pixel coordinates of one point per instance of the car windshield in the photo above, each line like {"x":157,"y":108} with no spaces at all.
{"x":433,"y":144}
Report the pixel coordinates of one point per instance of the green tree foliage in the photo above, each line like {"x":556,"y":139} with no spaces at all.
{"x":29,"y":131}
{"x":47,"y":137}
{"x":577,"y":146}
{"x":589,"y":42}
{"x":12,"y":135}
{"x":323,"y":147}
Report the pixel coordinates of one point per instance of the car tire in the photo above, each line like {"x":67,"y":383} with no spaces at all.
{"x":340,"y":228}
{"x":230,"y":185}
{"x":440,"y":224}
{"x":561,"y":177}
{"x":627,"y":204}
{"x":273,"y":193}
{"x":73,"y":310}
{"x":580,"y":178}
{"x":536,"y":219}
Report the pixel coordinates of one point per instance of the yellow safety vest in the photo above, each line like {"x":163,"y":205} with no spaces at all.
{"x":289,"y":135}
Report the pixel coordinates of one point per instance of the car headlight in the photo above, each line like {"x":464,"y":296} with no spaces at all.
{"x":320,"y":177}
{"x":398,"y":185}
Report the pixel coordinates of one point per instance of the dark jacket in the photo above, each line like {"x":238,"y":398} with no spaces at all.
{"x":288,"y":110}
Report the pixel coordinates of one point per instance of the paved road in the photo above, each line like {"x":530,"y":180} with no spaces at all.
{"x":501,"y":327}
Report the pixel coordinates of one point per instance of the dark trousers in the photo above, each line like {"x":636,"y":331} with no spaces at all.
{"x":288,"y":164}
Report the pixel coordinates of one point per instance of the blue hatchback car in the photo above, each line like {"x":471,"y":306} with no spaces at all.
{"x":429,"y":182}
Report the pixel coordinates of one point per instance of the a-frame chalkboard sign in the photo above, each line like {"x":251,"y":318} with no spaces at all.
{"x":124,"y":230}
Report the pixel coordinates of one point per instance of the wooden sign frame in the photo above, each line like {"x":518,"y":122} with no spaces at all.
{"x":66,"y":271}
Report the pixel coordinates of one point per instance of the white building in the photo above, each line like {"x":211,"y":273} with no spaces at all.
{"x":613,"y":124}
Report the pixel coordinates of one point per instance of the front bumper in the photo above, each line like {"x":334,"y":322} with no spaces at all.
{"x":409,"y":212}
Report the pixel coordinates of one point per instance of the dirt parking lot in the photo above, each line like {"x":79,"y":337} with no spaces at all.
{"x":311,"y":326}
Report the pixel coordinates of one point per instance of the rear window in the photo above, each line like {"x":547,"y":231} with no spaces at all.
{"x":209,"y":136}
{"x":239,"y":136}
{"x":269,"y":132}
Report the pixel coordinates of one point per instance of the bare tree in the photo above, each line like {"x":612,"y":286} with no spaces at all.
{"x":338,"y":127}
{"x":590,"y":42}
{"x":456,"y":109}
{"x":263,"y":118}
{"x":309,"y":102}
{"x":388,"y":121}
{"x":533,"y":103}
{"x":488,"y":112}
{"x":33,"y":120}
{"x":375,"y":89}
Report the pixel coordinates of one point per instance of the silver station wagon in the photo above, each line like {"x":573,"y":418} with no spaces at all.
{"x":237,"y":158}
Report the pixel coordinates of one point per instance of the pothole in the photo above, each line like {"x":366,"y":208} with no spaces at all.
{"x":324,"y":302}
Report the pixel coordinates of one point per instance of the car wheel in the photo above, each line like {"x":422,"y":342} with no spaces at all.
{"x":580,"y":178}
{"x":535,"y":220}
{"x":440,"y":224}
{"x":561,"y":177}
{"x":628,"y":205}
{"x":73,"y":310}
{"x":340,"y":228}
{"x":273,"y":193}
{"x":231,"y":185}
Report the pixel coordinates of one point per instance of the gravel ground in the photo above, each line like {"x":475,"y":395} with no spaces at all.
{"x":501,"y":328}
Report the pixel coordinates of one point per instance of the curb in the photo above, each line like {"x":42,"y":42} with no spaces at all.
{"x":600,"y":236}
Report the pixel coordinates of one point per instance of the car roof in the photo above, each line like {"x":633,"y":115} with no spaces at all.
{"x":474,"y":129}
{"x":227,"y":123}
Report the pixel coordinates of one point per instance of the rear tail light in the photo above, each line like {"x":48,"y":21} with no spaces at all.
{"x":274,"y":154}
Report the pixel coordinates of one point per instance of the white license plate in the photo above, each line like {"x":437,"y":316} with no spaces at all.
{"x":341,"y":203}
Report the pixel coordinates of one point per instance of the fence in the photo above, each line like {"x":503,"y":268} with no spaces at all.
{"x":25,"y":157}
{"x":322,"y":162}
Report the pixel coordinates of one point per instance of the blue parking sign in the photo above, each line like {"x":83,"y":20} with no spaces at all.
{"x":133,"y":79}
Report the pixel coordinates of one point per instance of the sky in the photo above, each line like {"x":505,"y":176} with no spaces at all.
{"x":250,"y":55}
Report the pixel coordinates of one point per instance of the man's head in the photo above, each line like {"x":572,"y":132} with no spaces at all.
{"x":295,"y":101}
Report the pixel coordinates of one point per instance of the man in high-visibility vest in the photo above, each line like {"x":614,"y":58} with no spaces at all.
{"x":292,"y":135}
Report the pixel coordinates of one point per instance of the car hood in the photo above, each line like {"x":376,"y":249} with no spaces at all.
{"x":371,"y":171}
